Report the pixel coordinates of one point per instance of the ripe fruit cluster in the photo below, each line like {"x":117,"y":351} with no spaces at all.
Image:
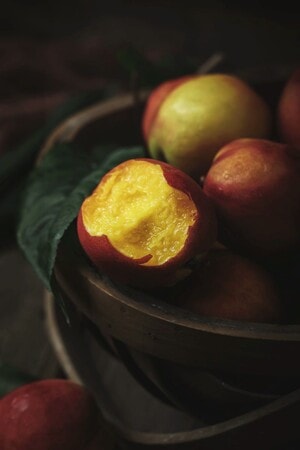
{"x":223,"y":167}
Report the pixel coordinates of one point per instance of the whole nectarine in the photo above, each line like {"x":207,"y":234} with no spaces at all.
{"x":47,"y":415}
{"x":255,"y":187}
{"x":144,"y":222}
{"x":198,"y":115}
{"x":229,"y":286}
{"x":288,"y":110}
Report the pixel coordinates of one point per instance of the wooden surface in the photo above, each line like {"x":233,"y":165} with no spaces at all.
{"x":24,"y":343}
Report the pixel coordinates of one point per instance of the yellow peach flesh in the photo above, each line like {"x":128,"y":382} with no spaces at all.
{"x":140,"y":213}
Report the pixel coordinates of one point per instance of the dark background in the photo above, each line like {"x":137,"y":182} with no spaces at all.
{"x":52,"y":50}
{"x":248,"y":32}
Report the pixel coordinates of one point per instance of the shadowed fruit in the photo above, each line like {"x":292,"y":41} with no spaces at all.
{"x":193,"y":117}
{"x":254,"y":185}
{"x":288,"y":111}
{"x":47,"y":415}
{"x":229,"y":286}
{"x":144,"y":222}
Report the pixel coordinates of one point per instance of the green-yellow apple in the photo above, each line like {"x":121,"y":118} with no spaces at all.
{"x":51,"y":414}
{"x":144,"y":222}
{"x":254,"y":185}
{"x":229,"y":286}
{"x":288,"y":110}
{"x":186,"y":121}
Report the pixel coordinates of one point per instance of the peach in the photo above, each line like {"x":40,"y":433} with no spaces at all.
{"x":192,"y":118}
{"x":288,"y":110}
{"x":229,"y":286}
{"x":144,"y":222}
{"x":254,"y":185}
{"x":49,"y":414}
{"x":155,"y":99}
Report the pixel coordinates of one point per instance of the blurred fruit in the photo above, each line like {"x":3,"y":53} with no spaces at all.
{"x":229,"y":286}
{"x":288,"y":111}
{"x":144,"y":222}
{"x":193,"y":118}
{"x":254,"y":185}
{"x":49,"y":414}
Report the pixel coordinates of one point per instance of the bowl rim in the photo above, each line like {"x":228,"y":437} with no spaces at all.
{"x":69,"y":127}
{"x":168,"y":312}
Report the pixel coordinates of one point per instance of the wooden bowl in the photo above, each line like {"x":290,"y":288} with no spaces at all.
{"x":138,"y":420}
{"x":146,"y":323}
{"x":153,"y":330}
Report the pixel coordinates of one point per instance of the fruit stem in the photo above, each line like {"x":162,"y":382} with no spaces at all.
{"x":211,"y":63}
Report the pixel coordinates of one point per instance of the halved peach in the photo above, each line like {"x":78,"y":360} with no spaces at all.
{"x":144,"y":222}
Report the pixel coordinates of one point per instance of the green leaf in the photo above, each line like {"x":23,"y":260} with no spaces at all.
{"x":53,"y":196}
{"x":17,"y":163}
